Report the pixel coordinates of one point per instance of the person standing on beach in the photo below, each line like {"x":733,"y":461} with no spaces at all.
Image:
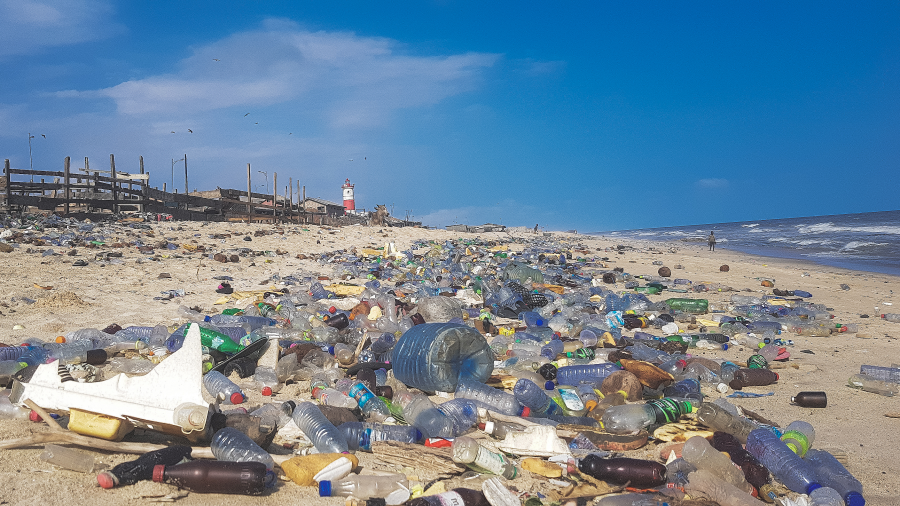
{"x":535,"y":228}
{"x":712,"y":241}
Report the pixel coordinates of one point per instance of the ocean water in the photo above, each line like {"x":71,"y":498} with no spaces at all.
{"x":864,"y":241}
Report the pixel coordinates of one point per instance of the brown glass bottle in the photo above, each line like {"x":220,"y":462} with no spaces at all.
{"x":641,"y":473}
{"x":456,"y":497}
{"x":215,"y":477}
{"x":810,"y":399}
{"x":753,"y":378}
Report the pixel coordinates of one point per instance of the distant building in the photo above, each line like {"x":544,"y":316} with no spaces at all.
{"x":322,"y":206}
{"x":349,"y":200}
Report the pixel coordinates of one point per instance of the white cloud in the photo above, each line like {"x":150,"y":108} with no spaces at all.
{"x":27,"y":26}
{"x":713,"y":183}
{"x":351,"y":80}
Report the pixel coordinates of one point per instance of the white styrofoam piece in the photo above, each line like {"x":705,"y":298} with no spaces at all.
{"x":143,"y":400}
{"x":535,"y":441}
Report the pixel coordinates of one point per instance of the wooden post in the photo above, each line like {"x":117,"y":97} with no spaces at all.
{"x":291,"y":186}
{"x":304,"y":202}
{"x":115,"y":183}
{"x":186,"y":191}
{"x":249,"y":197}
{"x":284,"y":206}
{"x":275,"y":198}
{"x":6,"y":173}
{"x":144,"y":186}
{"x":164,"y":187}
{"x":66,"y":186}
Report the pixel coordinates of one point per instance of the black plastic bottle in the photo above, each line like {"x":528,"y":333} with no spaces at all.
{"x":641,"y":473}
{"x":214,"y":477}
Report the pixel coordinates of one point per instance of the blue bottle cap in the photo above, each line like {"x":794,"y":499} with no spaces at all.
{"x":325,"y":488}
{"x":724,"y":346}
{"x":811,"y":487}
{"x":854,"y":499}
{"x":549,"y":385}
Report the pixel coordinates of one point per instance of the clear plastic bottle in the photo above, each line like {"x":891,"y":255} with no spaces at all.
{"x":68,"y":458}
{"x":703,"y":483}
{"x":532,"y":396}
{"x":393,"y":488}
{"x":891,"y":374}
{"x":466,"y":450}
{"x":222,"y":388}
{"x":787,"y":467}
{"x":614,"y":399}
{"x":799,"y":436}
{"x":629,"y":418}
{"x":826,"y":496}
{"x":717,"y":418}
{"x":420,"y":412}
{"x":869,"y":384}
{"x":10,"y":367}
{"x":361,"y":435}
{"x":191,"y":417}
{"x":832,"y":473}
{"x":702,"y":455}
{"x":490,"y":398}
{"x":891,"y":317}
{"x":232,"y":445}
{"x":575,"y":374}
{"x":323,"y":434}
{"x":344,"y":354}
{"x":462,"y":414}
{"x":9,"y":410}
{"x":372,"y":407}
{"x":275,"y":415}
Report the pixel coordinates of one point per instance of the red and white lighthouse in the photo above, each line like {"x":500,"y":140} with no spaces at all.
{"x":349,"y":202}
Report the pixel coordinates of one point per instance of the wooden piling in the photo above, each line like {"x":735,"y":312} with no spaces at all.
{"x":274,"y":197}
{"x":249,"y":203}
{"x":115,"y":183}
{"x":186,"y":191}
{"x":66,"y":186}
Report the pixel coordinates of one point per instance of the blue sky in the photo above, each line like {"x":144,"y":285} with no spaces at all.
{"x":586,"y":115}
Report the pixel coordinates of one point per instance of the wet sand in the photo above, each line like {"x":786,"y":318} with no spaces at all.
{"x":854,"y":422}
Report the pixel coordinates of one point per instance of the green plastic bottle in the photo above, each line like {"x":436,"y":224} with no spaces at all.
{"x":693,"y":306}
{"x":217,"y":341}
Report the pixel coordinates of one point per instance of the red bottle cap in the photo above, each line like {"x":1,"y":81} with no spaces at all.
{"x":34,"y":417}
{"x":777,"y":377}
{"x":332,"y":310}
{"x":159,"y":473}
{"x":526,"y":411}
{"x":237,"y":398}
{"x":107,"y":480}
{"x":267,"y":391}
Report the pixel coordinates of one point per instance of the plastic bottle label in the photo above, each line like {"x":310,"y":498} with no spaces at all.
{"x":361,"y":394}
{"x":571,"y":400}
{"x":490,"y":461}
{"x":450,"y":498}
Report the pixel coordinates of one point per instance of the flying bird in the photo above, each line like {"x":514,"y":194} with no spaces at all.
{"x":216,"y":59}
{"x":256,"y":123}
{"x":173,"y":131}
{"x":191,"y":131}
{"x":248,"y":114}
{"x":44,"y":136}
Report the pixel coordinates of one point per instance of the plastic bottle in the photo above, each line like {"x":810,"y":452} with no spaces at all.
{"x":891,"y":374}
{"x":575,"y":374}
{"x":11,"y":411}
{"x":68,"y":458}
{"x":832,"y":473}
{"x":868,"y":384}
{"x":891,"y":317}
{"x":491,"y":398}
{"x":275,"y":415}
{"x":826,"y":496}
{"x":129,"y":473}
{"x":810,"y":399}
{"x":717,"y":418}
{"x":799,"y":436}
{"x":693,"y":306}
{"x":532,"y":319}
{"x":217,"y":341}
{"x":703,"y":483}
{"x":752,"y":378}
{"x":12,"y":353}
{"x":420,"y":412}
{"x":394,"y":489}
{"x":466,"y":450}
{"x":455,"y":497}
{"x":360,"y":435}
{"x":617,"y":398}
{"x":371,"y":406}
{"x":702,"y":455}
{"x":787,"y":467}
{"x":629,"y":418}
{"x":344,"y":354}
{"x":232,"y":445}
{"x":532,"y":396}
{"x":215,"y":477}
{"x":222,"y":388}
{"x":462,"y":414}
{"x":755,"y":473}
{"x":641,"y":473}
{"x":437,"y":356}
{"x":323,"y":434}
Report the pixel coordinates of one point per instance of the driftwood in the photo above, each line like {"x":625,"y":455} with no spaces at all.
{"x":59,"y":435}
{"x":428,"y":462}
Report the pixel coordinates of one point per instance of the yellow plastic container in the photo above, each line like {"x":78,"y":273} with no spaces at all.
{"x":99,"y":426}
{"x":302,"y":469}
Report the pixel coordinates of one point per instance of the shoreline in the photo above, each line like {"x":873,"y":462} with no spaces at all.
{"x":853,"y":422}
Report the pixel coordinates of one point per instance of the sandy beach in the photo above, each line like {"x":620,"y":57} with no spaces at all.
{"x":122,"y":291}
